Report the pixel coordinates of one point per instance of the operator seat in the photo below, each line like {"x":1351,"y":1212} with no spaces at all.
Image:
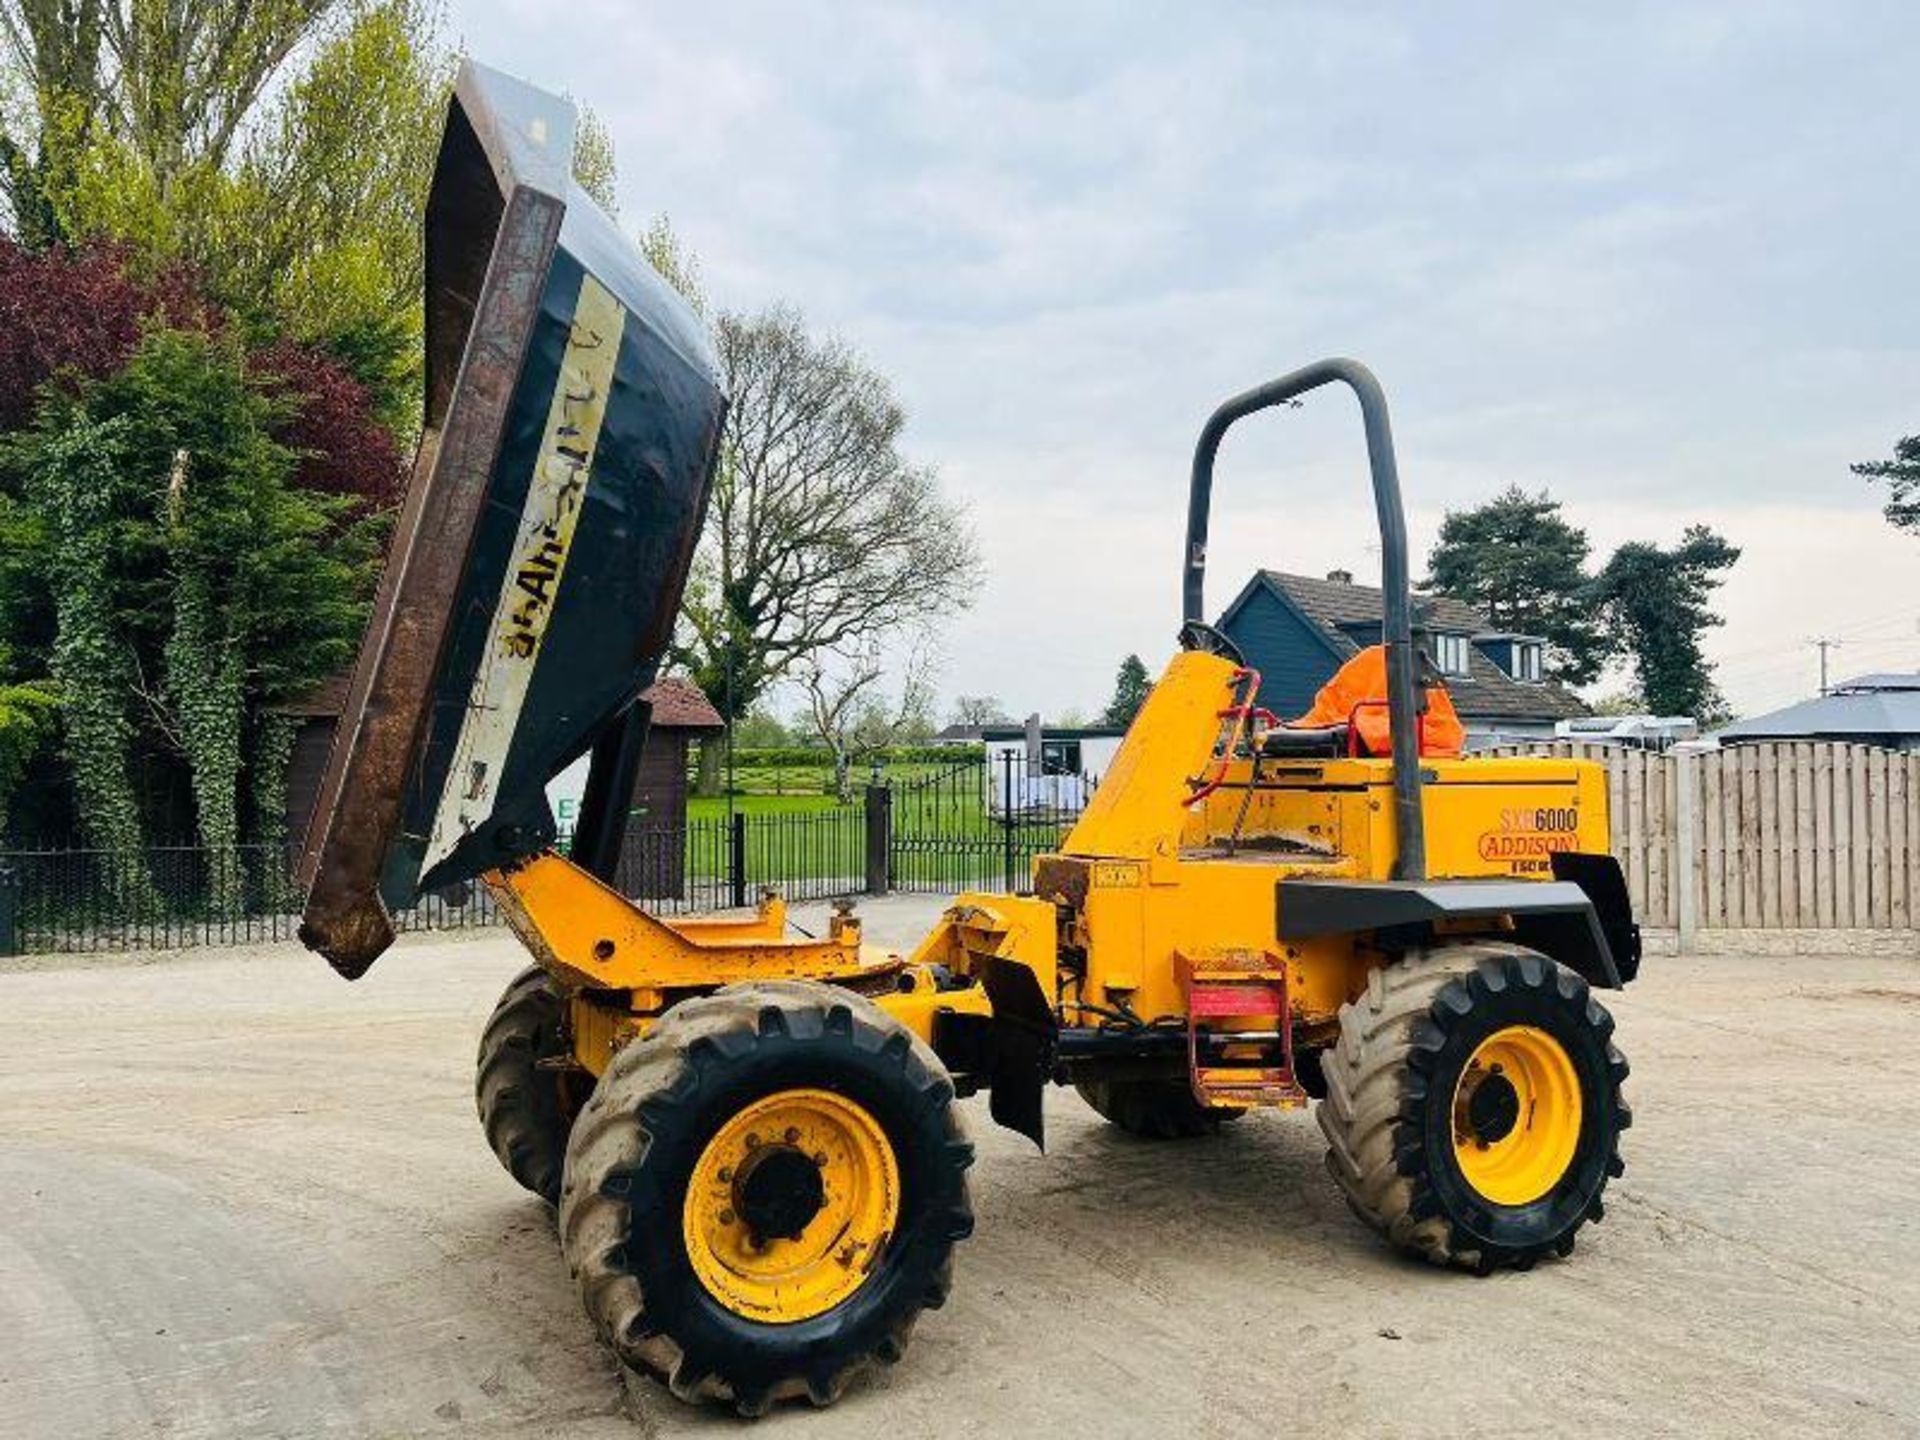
{"x":1349,"y":716}
{"x":1306,"y":742}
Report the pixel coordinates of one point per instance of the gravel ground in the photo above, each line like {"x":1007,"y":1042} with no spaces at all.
{"x":240,"y":1197}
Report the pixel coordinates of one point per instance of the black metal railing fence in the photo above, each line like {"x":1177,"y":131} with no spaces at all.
{"x":976,"y":824}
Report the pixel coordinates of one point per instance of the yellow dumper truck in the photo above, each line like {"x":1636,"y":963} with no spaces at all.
{"x":750,"y":1134}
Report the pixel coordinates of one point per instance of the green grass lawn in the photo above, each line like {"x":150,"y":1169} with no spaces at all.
{"x":715,"y":807}
{"x":943,"y":834}
{"x":802,"y":782}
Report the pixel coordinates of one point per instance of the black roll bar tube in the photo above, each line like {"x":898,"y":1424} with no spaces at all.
{"x":1395,"y":584}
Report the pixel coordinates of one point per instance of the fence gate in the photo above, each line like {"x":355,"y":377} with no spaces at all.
{"x":978,"y":824}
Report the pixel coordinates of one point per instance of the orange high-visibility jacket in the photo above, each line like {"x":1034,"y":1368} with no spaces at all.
{"x":1357,"y":696}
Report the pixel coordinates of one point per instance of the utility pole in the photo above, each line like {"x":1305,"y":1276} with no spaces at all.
{"x":1823,"y":644}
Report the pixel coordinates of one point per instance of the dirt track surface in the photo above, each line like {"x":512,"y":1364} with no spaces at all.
{"x":239,"y":1197}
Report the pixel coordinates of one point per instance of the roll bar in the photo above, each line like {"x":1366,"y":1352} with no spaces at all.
{"x":1395,"y":584}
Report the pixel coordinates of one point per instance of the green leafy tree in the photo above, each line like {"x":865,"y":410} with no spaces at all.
{"x":678,"y":265}
{"x":1130,"y":689}
{"x":28,"y":723}
{"x":1518,"y":561}
{"x":76,"y":488}
{"x":595,"y":164}
{"x":1659,"y":602}
{"x":282,"y":148}
{"x":761,"y":729}
{"x":1901,"y":476}
{"x":194,"y":584}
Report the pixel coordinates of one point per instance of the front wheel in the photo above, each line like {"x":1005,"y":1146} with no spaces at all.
{"x":764,"y":1193}
{"x":1473,"y":1108}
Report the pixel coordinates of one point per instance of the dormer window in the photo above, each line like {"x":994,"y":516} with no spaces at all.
{"x":1450,"y":654}
{"x":1527,"y":661}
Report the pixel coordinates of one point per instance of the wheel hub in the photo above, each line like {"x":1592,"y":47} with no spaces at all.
{"x":791,"y":1205}
{"x":1516,"y":1115}
{"x":1492,"y":1105}
{"x":776,"y":1192}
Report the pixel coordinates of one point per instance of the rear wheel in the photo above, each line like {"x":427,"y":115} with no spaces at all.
{"x":1473,"y":1106}
{"x":764,"y":1193}
{"x":526,"y":1094}
{"x":1153,"y":1109}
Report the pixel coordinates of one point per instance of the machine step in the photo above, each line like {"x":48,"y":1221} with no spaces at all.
{"x":1239,"y":1030}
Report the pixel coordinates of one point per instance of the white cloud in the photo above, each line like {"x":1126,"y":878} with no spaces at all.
{"x":1657,"y":260}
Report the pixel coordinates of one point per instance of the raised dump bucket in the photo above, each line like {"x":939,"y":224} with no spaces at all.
{"x":573,"y":414}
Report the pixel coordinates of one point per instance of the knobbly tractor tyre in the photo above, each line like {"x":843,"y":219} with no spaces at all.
{"x":527,"y":1101}
{"x":1153,"y":1109}
{"x":1473,"y":1108}
{"x":764,"y":1193}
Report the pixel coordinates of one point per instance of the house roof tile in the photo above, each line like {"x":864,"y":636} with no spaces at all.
{"x":1486,"y":692}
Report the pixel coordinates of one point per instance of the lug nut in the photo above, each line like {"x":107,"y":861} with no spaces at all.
{"x":753,"y":1141}
{"x":726,"y":1217}
{"x":793,"y":1134}
{"x":820,"y":1158}
{"x":726,"y":1173}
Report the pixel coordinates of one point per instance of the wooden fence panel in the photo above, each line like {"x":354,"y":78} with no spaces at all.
{"x":1842,"y":837}
{"x":1901,"y":841}
{"x":1712,"y":765}
{"x":1823,"y":836}
{"x":1878,"y":830}
{"x":1859,"y":863}
{"x":1657,"y":820}
{"x":1785,"y":835}
{"x":1746,"y":760}
{"x":1766,"y":862}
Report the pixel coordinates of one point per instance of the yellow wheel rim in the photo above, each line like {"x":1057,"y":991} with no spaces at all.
{"x":791,"y":1205}
{"x":1516,"y":1115}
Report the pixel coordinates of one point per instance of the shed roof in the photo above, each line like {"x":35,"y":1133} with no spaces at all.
{"x":678,"y":703}
{"x":1871,"y":705}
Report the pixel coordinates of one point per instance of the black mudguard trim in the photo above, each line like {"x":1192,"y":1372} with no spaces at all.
{"x":1011,"y":1054}
{"x":1556,"y":917}
{"x":1606,"y":886}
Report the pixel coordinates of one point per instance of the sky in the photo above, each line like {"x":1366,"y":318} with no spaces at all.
{"x":1656,"y":259}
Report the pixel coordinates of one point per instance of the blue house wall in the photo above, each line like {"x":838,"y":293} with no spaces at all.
{"x":1292,"y":658}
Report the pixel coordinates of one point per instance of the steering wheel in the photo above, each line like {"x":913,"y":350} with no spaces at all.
{"x":1198,"y":635}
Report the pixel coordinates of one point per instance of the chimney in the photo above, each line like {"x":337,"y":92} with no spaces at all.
{"x":1340,"y":577}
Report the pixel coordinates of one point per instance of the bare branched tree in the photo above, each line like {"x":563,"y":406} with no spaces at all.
{"x":849,"y":712}
{"x":980,"y":710}
{"x":822,"y":538}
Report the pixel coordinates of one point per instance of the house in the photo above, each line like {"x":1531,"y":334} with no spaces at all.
{"x":653,"y":862}
{"x":1036,"y":767}
{"x":1063,"y":749}
{"x":1879,"y":710}
{"x":1297,"y":630}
